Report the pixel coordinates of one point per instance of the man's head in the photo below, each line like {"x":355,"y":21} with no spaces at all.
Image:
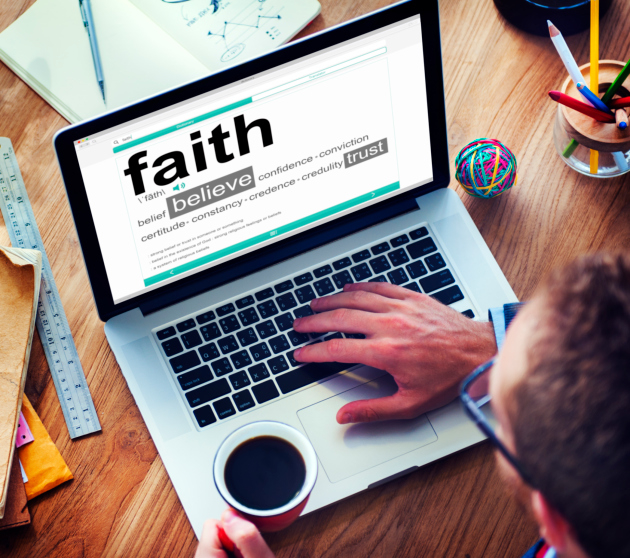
{"x":561,"y":393}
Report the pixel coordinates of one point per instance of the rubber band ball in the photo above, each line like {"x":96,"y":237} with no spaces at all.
{"x":486,"y":168}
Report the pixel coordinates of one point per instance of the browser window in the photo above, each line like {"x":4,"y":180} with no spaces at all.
{"x":274,"y":155}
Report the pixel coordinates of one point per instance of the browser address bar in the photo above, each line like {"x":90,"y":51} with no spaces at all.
{"x":320,"y":73}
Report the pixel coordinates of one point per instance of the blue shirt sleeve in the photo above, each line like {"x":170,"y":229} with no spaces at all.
{"x":501,"y":319}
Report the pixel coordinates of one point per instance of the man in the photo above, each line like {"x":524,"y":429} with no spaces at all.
{"x":560,"y":391}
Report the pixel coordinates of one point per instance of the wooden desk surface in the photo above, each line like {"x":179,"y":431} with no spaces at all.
{"x":121,"y":502}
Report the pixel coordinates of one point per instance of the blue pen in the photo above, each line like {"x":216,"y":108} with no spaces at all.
{"x":88,"y":22}
{"x":593,"y":99}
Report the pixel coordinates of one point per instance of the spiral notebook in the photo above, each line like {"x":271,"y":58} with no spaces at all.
{"x":146,"y":46}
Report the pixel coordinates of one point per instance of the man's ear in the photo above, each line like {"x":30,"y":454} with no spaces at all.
{"x":553,"y":527}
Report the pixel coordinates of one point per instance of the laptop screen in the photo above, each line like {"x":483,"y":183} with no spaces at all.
{"x":199,"y":183}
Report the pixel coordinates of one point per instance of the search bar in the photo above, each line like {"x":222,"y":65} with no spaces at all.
{"x":122,"y":140}
{"x":320,"y":73}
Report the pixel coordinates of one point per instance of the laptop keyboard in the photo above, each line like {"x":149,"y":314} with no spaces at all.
{"x":234,"y":357}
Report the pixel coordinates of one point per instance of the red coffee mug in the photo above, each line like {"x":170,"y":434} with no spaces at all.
{"x":279,"y":518}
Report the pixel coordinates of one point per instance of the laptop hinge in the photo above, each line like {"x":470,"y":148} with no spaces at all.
{"x":245,"y":266}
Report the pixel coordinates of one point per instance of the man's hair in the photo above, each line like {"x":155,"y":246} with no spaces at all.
{"x":571,"y":419}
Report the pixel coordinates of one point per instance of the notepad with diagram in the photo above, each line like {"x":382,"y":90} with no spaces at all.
{"x":146,"y":46}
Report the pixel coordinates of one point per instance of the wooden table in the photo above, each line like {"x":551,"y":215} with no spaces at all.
{"x":122,"y":503}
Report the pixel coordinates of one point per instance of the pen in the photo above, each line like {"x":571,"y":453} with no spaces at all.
{"x":574,"y":104}
{"x":592,"y":98}
{"x":88,"y":22}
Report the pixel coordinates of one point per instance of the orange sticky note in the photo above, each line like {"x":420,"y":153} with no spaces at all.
{"x":42,"y":462}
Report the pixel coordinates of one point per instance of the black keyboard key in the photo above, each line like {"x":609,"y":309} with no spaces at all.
{"x":191,"y":339}
{"x":204,"y":416}
{"x":284,"y":321}
{"x":413,"y":287}
{"x":286,"y":302}
{"x":260,"y":351}
{"x":354,"y":336}
{"x":225,"y":309}
{"x":185,"y":362}
{"x":418,"y":233}
{"x":210,"y":332}
{"x":309,"y":374}
{"x":207,"y":393}
{"x":380,"y":265}
{"x":243,"y":400}
{"x":297,"y":338}
{"x":240,"y":359}
{"x":342,"y":279}
{"x":247,"y":337}
{"x":258,"y":372}
{"x":266,"y":329}
{"x":239,"y":380}
{"x":248,"y":316}
{"x":291,"y":358}
{"x":245,"y":302}
{"x":265,"y":392}
{"x":227,"y":344}
{"x":278,"y":364}
{"x":360,"y":256}
{"x":336,"y":335}
{"x":195,"y":377}
{"x":284,"y":286}
{"x":303,"y":279}
{"x":172,"y":347}
{"x":305,"y":294}
{"x":315,"y":335}
{"x":264,"y":294}
{"x":398,"y":257}
{"x":186,"y":325}
{"x":449,"y":296}
{"x":221,"y":367}
{"x":399,"y":240}
{"x":166,"y":333}
{"x":343,"y":262}
{"x":361,"y":272}
{"x":205,"y":317}
{"x":224,"y":408}
{"x":302,"y":312}
{"x":437,"y":281}
{"x":208,"y":352}
{"x":229,"y":324}
{"x":469,"y":314}
{"x":417,"y":269}
{"x":421,"y":248}
{"x":321,"y":271}
{"x":379,"y":279}
{"x":398,"y":276}
{"x":324,"y":286}
{"x":279,"y":344}
{"x":267,"y":309}
{"x":380,"y":248}
{"x":435,"y":262}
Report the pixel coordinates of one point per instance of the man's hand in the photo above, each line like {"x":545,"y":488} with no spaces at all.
{"x":427,"y":347}
{"x":246,"y":538}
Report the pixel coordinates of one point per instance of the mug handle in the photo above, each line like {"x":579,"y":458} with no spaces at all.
{"x":228,"y":544}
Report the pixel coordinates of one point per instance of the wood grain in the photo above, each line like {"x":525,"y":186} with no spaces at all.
{"x":122,"y":503}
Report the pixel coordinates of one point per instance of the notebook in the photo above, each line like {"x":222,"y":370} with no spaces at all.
{"x":144,"y":48}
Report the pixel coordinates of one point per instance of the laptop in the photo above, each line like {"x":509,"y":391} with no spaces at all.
{"x":210,"y":215}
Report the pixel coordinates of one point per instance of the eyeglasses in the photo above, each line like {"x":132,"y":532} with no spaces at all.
{"x":475,"y":396}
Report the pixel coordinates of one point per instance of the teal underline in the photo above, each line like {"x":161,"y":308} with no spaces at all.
{"x":270,"y":234}
{"x":182,"y":125}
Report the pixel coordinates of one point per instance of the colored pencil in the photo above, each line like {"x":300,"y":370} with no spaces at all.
{"x":588,"y":110}
{"x":619,"y":103}
{"x":593,"y":98}
{"x":620,"y":160}
{"x":621,"y":116}
{"x":565,"y":54}
{"x":615,"y":85}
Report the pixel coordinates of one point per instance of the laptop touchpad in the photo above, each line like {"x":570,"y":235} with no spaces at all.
{"x":345,"y":450}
